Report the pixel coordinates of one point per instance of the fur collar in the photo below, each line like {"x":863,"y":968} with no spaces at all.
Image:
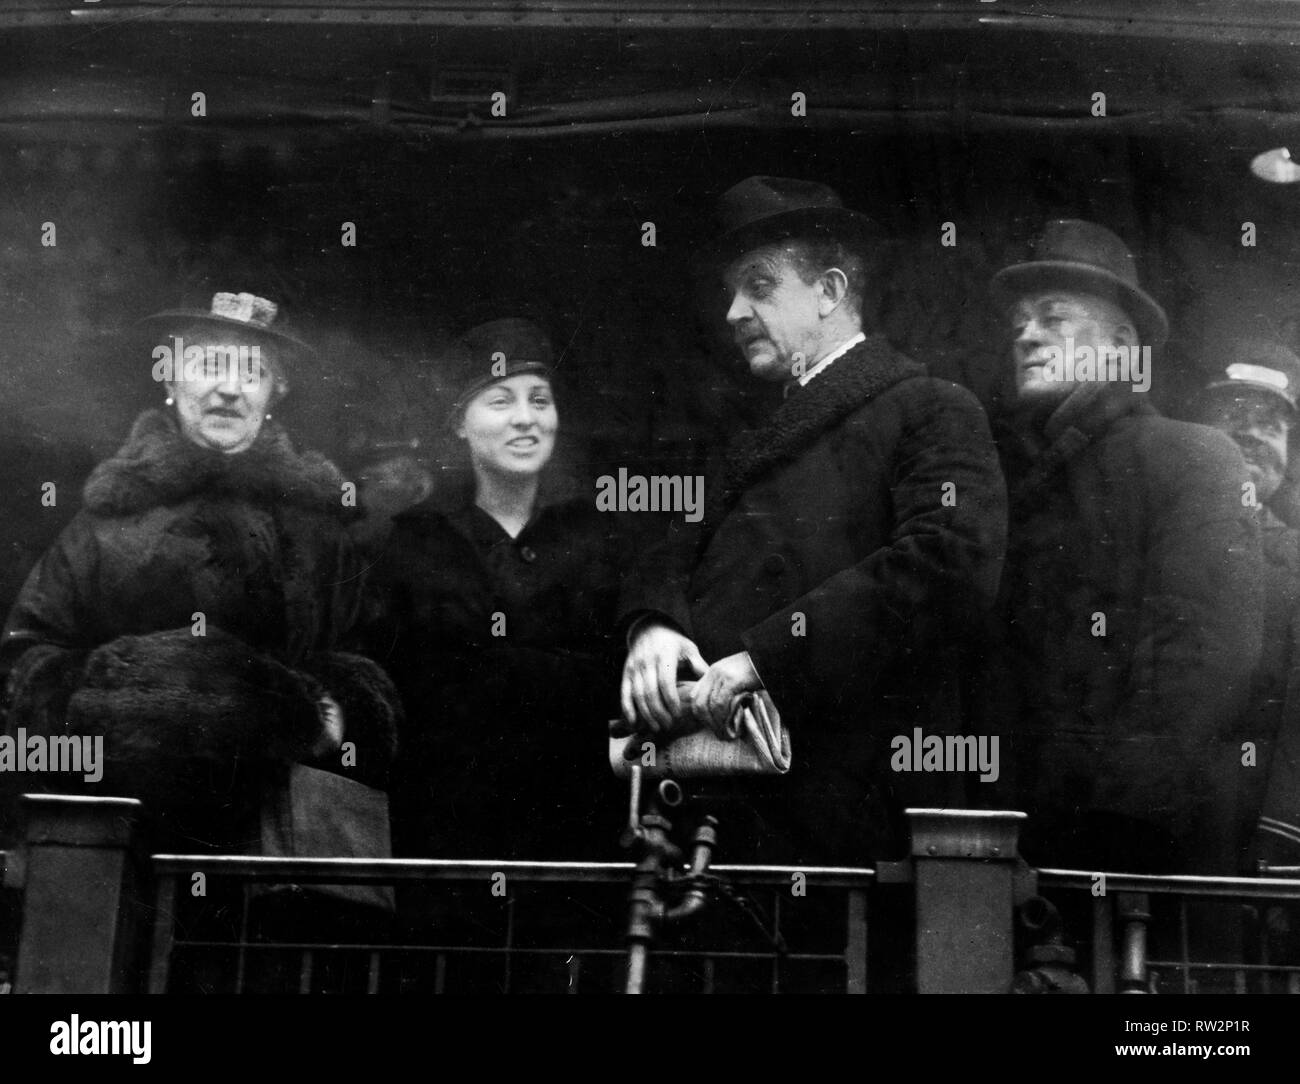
{"x":158,"y":467}
{"x":855,"y":378}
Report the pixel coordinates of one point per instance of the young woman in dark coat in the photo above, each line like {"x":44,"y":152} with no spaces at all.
{"x":191,"y":613}
{"x":497,"y":597}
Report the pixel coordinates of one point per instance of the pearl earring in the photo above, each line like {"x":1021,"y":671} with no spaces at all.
{"x":169,"y":401}
{"x":268,"y":417}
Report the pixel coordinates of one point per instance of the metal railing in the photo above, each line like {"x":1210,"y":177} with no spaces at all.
{"x":1178,"y":934}
{"x":493,"y":927}
{"x":962,"y":913}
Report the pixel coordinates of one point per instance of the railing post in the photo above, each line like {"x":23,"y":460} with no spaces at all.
{"x":965,"y":863}
{"x":1134,"y":914}
{"x":79,"y":917}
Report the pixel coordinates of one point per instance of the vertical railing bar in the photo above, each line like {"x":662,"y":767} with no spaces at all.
{"x":708,"y":975}
{"x":304,"y":974}
{"x":510,"y":940}
{"x":1103,"y":945}
{"x":776,"y":932}
{"x":1241,"y":926}
{"x":865,"y":926}
{"x":372,"y":975}
{"x":164,"y":933}
{"x":1262,"y":940}
{"x":1244,"y":913}
{"x":1184,"y":948}
{"x":855,"y":949}
{"x":575,"y":972}
{"x":241,"y":959}
{"x":440,"y":974}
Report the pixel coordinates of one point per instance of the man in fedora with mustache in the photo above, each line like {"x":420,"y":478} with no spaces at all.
{"x":1131,"y":595}
{"x":848,"y":544}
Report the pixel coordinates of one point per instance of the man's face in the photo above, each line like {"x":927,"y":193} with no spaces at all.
{"x":1259,"y":422}
{"x":775,"y":317}
{"x":1040,"y":326}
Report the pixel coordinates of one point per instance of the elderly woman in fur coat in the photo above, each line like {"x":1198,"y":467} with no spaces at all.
{"x":191,"y":613}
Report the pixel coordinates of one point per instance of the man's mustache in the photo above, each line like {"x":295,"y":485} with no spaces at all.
{"x":1258,"y":452}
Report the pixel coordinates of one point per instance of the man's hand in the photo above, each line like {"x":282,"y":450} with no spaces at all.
{"x":715,"y":695}
{"x":649,"y":691}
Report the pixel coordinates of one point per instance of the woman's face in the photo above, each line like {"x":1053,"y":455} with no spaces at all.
{"x":510,"y":426}
{"x":225,"y":382}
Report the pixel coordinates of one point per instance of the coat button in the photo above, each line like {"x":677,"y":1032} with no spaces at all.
{"x":528,"y":554}
{"x":773,"y":564}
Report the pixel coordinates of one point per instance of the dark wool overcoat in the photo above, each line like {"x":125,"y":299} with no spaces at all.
{"x":1132,"y":599}
{"x":1274,"y":710}
{"x":853,"y":548}
{"x":504,"y":653}
{"x":173,"y":539}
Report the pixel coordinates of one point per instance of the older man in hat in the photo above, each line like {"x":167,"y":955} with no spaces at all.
{"x":847,"y":546}
{"x":1253,"y":401}
{"x":1131,"y":592}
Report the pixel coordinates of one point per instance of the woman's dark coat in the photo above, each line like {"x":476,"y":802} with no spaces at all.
{"x":1133,"y":605}
{"x":173,"y":539}
{"x":503,"y":652}
{"x":853,"y":550}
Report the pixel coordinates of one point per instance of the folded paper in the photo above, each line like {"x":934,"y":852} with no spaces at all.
{"x":755,"y":743}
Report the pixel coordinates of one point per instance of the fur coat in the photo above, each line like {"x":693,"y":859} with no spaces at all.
{"x":192,"y":614}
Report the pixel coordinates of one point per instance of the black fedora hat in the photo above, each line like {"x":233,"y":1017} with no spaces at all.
{"x":497,"y":350}
{"x":250,"y":312}
{"x":1072,"y":254}
{"x":766,"y":210}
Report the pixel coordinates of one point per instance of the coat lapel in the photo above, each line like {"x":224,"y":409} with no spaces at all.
{"x":859,"y":376}
{"x":1087,"y":413}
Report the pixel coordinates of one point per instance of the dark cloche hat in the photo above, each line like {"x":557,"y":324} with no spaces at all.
{"x":764,"y":210}
{"x":1075,"y":255}
{"x":1263,"y":365}
{"x":247,"y":311}
{"x":499,"y":350}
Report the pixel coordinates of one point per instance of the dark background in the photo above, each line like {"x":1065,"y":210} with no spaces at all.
{"x":380,"y":115}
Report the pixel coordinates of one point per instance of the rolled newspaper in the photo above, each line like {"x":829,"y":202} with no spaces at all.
{"x":756,"y":743}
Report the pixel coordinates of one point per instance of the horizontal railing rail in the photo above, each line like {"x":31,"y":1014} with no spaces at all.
{"x":393,"y":870}
{"x":1237,"y":888}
